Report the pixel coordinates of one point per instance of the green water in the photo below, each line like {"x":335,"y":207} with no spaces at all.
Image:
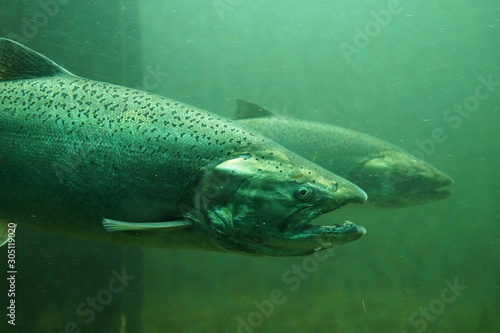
{"x":392,"y":69}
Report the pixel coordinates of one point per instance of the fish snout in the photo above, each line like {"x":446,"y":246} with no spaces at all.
{"x":442,"y":179}
{"x":345,"y":192}
{"x":357,"y":194}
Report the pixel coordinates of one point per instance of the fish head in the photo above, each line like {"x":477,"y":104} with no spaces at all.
{"x":262,"y":203}
{"x":397,"y":179}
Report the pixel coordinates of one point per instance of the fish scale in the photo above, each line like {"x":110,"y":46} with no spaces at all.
{"x":98,"y":118}
{"x":104,"y":162}
{"x":391,"y":176}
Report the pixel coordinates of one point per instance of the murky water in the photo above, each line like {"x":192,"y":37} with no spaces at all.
{"x":423,"y":76}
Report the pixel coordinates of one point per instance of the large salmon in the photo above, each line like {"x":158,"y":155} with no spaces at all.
{"x":390,"y":176}
{"x":109,"y":163}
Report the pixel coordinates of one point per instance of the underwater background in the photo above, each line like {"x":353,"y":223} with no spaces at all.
{"x":392,"y":69}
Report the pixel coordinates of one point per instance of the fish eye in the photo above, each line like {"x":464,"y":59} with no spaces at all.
{"x":304,"y":193}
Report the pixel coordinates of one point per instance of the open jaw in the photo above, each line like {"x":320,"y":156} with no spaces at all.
{"x":306,"y":237}
{"x":328,"y":236}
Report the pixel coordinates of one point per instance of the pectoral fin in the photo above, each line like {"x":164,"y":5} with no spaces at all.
{"x":112,"y":225}
{"x":4,"y":231}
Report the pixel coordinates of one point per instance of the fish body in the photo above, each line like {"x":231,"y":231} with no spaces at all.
{"x":104,"y":162}
{"x":390,"y":176}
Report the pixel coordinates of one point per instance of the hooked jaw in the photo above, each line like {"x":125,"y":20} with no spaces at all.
{"x":269,"y":203}
{"x":297,"y":236}
{"x":305,"y":238}
{"x":315,"y":237}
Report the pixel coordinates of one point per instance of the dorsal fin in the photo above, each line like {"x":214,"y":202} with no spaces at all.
{"x":17,"y":62}
{"x":246,"y":109}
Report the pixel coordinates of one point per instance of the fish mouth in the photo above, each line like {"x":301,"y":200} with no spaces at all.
{"x":437,"y":189}
{"x":419,"y":189}
{"x":319,"y":237}
{"x":440,"y":189}
{"x":307,"y":237}
{"x":437,"y":193}
{"x":420,"y":197}
{"x":328,"y":236}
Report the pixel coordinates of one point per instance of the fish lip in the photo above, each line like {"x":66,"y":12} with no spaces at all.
{"x":441,"y":181}
{"x":322,"y":237}
{"x":440,"y":193}
{"x":346,"y":228}
{"x":448,"y":181}
{"x":438,"y":184}
{"x":332,"y":236}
